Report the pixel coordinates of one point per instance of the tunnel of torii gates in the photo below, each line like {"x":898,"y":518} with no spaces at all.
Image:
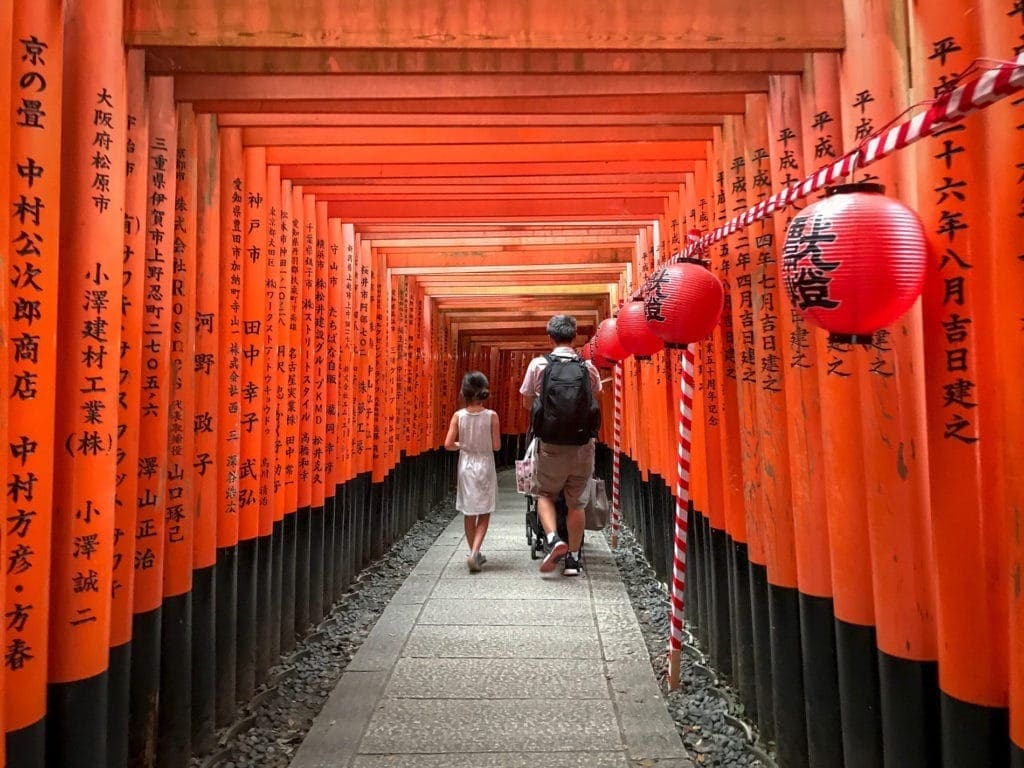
{"x":250,"y":248}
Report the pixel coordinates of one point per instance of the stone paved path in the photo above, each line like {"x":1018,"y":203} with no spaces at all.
{"x":501,"y":669}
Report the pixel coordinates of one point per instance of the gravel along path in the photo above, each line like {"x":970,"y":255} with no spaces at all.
{"x":707,"y":712}
{"x":271,"y":727}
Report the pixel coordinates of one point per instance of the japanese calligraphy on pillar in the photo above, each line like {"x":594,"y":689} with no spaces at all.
{"x":87,"y":377}
{"x":744,"y":294}
{"x":254,"y":304}
{"x":179,"y":514}
{"x":724,"y":265}
{"x":765,"y":274}
{"x":32,"y":327}
{"x":156,"y":348}
{"x":133,"y":284}
{"x":319,"y":449}
{"x":333,"y":352}
{"x":291,"y":466}
{"x":232,"y":332}
{"x":362,"y":380}
{"x":308,"y":309}
{"x":270,"y":358}
{"x":951,"y":229}
{"x":786,"y":171}
{"x":283,"y":309}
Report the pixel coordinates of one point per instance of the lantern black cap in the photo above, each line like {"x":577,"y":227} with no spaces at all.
{"x":865,"y":339}
{"x":858,"y":186}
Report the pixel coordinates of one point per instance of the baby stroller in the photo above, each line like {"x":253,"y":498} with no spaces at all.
{"x":535,"y":536}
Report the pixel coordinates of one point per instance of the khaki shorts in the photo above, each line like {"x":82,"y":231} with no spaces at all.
{"x":565,"y":468}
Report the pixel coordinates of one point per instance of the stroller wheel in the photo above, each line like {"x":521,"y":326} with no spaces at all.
{"x":529,"y":535}
{"x":534,"y":548}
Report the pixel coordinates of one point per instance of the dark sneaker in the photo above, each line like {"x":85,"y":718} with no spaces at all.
{"x":557,"y":552}
{"x":571,"y":566}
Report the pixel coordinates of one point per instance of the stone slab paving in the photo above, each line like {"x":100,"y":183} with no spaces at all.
{"x":502,"y":669}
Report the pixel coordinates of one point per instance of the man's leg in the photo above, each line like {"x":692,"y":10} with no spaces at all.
{"x":575,"y":520}
{"x":546,"y":512}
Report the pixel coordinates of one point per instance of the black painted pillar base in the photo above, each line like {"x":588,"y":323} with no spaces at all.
{"x":973,"y":734}
{"x":226,"y":639}
{"x":289,"y":526}
{"x":302,"y":564}
{"x":720,"y":636}
{"x":859,"y":695}
{"x":77,"y":723}
{"x":762,"y":650}
{"x":909,"y":692}
{"x":276,"y":586}
{"x":118,"y":693}
{"x":742,"y":624}
{"x":145,"y":689}
{"x":204,"y":659}
{"x":174,"y":734}
{"x":330,"y":523}
{"x":265,"y":628}
{"x":316,"y":565}
{"x":245,"y":666}
{"x":26,"y":747}
{"x":821,"y":682}
{"x":787,"y":677}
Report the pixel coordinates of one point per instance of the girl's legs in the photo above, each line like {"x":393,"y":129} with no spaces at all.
{"x":482,"y":521}
{"x":469,"y":528}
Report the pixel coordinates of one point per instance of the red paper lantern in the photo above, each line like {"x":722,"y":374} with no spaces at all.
{"x":682,"y":303}
{"x":634,"y":333}
{"x":607,"y":343}
{"x":854,"y":261}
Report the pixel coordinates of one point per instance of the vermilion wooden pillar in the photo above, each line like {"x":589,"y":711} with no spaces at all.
{"x":751,"y":593}
{"x":252,"y":319}
{"x":1002,"y":32}
{"x":129,"y":401}
{"x":888,"y":373}
{"x":332,"y":464}
{"x":285,"y":493}
{"x":322,"y":531}
{"x":966,"y":432}
{"x":771,"y":423}
{"x":150,"y":529}
{"x":229,"y":373}
{"x":6,"y":47}
{"x":174,"y":744}
{"x":32,"y":279}
{"x":269,"y":614}
{"x":208,"y":326}
{"x":299,"y":393}
{"x":842,"y":463}
{"x":94,"y":119}
{"x":807,"y":479}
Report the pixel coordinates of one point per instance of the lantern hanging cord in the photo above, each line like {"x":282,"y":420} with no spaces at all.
{"x":998,"y":79}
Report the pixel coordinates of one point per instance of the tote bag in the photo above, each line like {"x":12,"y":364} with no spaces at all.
{"x":526,"y":470}
{"x":597,"y":505}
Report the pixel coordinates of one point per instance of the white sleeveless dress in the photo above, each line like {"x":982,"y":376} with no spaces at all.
{"x":478,"y":479}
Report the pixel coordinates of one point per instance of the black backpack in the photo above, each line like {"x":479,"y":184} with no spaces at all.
{"x":566,"y":412}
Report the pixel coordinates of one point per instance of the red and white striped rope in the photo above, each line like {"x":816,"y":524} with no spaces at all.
{"x":616,"y":449}
{"x":682,"y":498}
{"x":986,"y":89}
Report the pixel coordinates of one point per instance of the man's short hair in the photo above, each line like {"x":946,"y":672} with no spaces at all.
{"x":562,"y":329}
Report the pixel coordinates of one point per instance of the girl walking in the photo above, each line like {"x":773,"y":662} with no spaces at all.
{"x":473,"y":432}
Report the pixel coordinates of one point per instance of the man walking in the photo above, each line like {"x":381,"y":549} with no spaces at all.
{"x":560,"y":391}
